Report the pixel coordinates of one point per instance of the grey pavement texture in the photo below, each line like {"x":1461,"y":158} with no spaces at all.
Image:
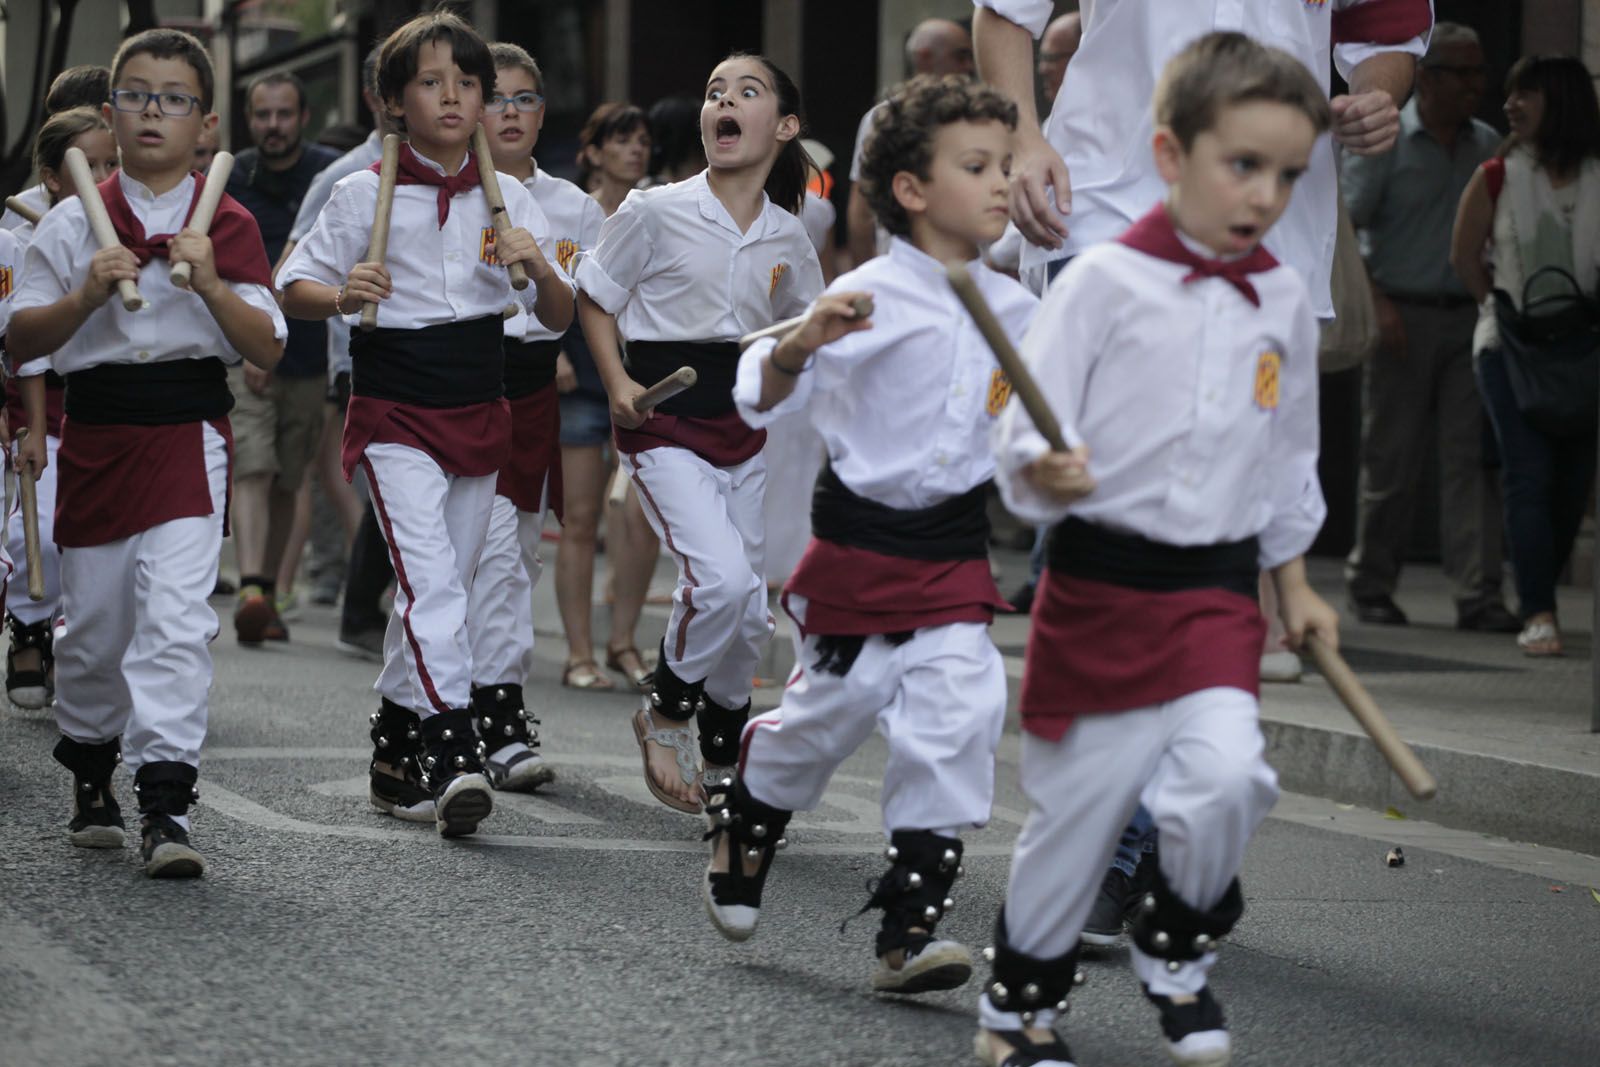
{"x":572,"y":933}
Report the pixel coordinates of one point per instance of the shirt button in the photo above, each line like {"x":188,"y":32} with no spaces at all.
{"x":143,"y":356}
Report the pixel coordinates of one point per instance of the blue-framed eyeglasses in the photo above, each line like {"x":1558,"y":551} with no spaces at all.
{"x":175,"y":105}
{"x":524,"y":102}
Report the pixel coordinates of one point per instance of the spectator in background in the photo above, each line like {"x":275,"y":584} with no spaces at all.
{"x":675,"y":149}
{"x":937,"y":47}
{"x":1538,"y":202}
{"x":205,"y":149}
{"x":1420,"y":381}
{"x":85,"y":86}
{"x":277,"y":415}
{"x":613,"y":153}
{"x":1056,"y":49}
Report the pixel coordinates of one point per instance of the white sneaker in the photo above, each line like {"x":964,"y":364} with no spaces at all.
{"x":517,"y":768}
{"x":1280,"y":666}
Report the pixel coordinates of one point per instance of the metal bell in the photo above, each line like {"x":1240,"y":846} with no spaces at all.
{"x":499,"y":694}
{"x":914,"y":880}
{"x":700,"y":704}
{"x":960,"y":871}
{"x":1078,"y":978}
{"x":930,"y":914}
{"x":948,"y":860}
{"x":988,"y":953}
{"x":1160,"y":941}
{"x":374,"y":718}
{"x":383,"y":742}
{"x":447,"y":734}
{"x":1062,"y":1006}
{"x":1027,"y":1018}
{"x":759,"y":830}
{"x":999,"y":993}
{"x":655,"y":698}
{"x":724,"y":817}
{"x":522,"y":713}
{"x":509,"y":730}
{"x":194,"y":792}
{"x":461,"y":761}
{"x":683,"y":704}
{"x":88,"y":787}
{"x":891,"y":854}
{"x":413,"y":733}
{"x":1030,"y":992}
{"x":752,"y":854}
{"x":781,"y":843}
{"x":117,"y":757}
{"x":949,"y":904}
{"x":1201,"y":942}
{"x":1149,"y":902}
{"x":486,"y":722}
{"x":716,"y":739}
{"x":1173,"y":966}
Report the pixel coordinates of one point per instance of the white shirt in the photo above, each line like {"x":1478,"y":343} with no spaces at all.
{"x":880,"y":235}
{"x":360,"y":157}
{"x":818,"y":216}
{"x":1101,"y":122}
{"x":905,"y":408}
{"x":440,"y":274}
{"x":36,"y":197}
{"x":11,"y":251}
{"x":672,"y":265}
{"x":1160,"y":379}
{"x":575,"y":219}
{"x":174,"y":324}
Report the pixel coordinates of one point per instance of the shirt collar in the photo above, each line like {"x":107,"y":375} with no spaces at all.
{"x":713,"y":210}
{"x":134,"y":189}
{"x":440,"y":166}
{"x":909,"y":257}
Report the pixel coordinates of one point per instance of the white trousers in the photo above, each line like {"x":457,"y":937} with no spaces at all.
{"x":133,"y":659}
{"x":710,"y":520}
{"x":500,"y":603}
{"x":435,"y":524}
{"x":939,"y":700}
{"x":17,"y":602}
{"x":1195,"y":763}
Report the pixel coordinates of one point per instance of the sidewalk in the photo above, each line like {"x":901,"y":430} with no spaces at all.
{"x":1507,"y":737}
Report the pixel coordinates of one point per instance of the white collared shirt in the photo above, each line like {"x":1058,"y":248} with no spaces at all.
{"x":36,"y":197}
{"x":11,"y":252}
{"x":575,"y":219}
{"x":672,"y":265}
{"x":1196,"y":433}
{"x":440,"y":273}
{"x":1102,"y":125}
{"x":905,"y":408}
{"x":360,"y":157}
{"x":173,"y":324}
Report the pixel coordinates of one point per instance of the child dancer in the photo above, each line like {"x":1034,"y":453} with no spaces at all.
{"x":893,"y":596}
{"x":427,"y":419}
{"x":500,"y":607}
{"x":30,"y":665}
{"x":1185,"y":355}
{"x":145,"y":445}
{"x":681,"y":272}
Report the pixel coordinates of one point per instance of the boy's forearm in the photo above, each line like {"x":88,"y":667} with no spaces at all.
{"x":248,"y":330}
{"x":1290,"y":575}
{"x":554,"y":307}
{"x":36,"y":332}
{"x":780,"y":373}
{"x":33,"y":402}
{"x":600,"y":330}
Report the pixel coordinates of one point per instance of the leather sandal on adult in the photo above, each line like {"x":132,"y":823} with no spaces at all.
{"x":680,"y":740}
{"x":638,"y":676}
{"x":584,"y":674}
{"x":1540,"y":640}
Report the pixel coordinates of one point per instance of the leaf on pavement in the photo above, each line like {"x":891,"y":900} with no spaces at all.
{"x":1392,"y":812}
{"x":1596,"y":894}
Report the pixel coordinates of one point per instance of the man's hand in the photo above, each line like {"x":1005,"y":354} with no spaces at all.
{"x":1366,"y":123}
{"x":566,"y":375}
{"x":194,"y":248}
{"x":107,"y":267}
{"x":1037,"y":171}
{"x":1063,"y":476}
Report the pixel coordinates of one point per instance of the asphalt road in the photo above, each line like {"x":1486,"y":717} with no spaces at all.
{"x":572,"y":933}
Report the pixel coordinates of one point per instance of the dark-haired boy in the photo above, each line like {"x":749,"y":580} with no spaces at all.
{"x":428,"y":421}
{"x":145,"y":446}
{"x":1142,"y":666}
{"x":84,"y":86}
{"x":893,"y":596}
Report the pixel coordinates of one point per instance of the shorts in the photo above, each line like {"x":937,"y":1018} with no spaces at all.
{"x":278,"y":433}
{"x":585,"y":420}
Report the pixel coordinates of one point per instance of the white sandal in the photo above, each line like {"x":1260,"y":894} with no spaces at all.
{"x":1536,"y":634}
{"x":687,"y":752}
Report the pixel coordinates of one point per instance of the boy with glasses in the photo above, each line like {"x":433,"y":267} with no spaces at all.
{"x":146,"y":447}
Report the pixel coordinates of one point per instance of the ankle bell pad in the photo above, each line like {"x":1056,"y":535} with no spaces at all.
{"x":40,"y":635}
{"x":396,"y":731}
{"x":720,"y":729}
{"x":670,"y":696}
{"x":87,"y":761}
{"x":914,"y":892}
{"x":502,"y":718}
{"x":1026,"y":984}
{"x":755,"y":831}
{"x":1165,"y":927}
{"x":451,"y":745}
{"x":166,"y":787}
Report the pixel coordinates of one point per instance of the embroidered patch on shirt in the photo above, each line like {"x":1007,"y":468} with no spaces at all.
{"x":1267,"y":366}
{"x":5,"y":282}
{"x":777,"y":273}
{"x":999,"y":392}
{"x":486,"y":247}
{"x":566,"y":248}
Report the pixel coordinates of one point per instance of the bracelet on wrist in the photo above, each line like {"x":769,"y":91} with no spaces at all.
{"x":772,"y":361}
{"x":338,"y":299}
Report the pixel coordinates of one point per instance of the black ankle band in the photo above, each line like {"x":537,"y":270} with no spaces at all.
{"x":89,"y":762}
{"x":451,"y":744}
{"x":501,"y":717}
{"x":1026,"y":984}
{"x":720,"y":730}
{"x":914,"y":892}
{"x":166,"y":787}
{"x":1168,"y":928}
{"x":670,"y":696}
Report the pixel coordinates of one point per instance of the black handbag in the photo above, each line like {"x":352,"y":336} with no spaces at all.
{"x":1552,"y":354}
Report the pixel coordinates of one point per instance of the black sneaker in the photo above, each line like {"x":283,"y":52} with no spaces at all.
{"x":164,"y":844}
{"x":1196,"y":1033}
{"x":395,"y":784}
{"x":453,"y":769}
{"x":31,"y":689}
{"x":1104,"y":925}
{"x":96,"y":818}
{"x":930,"y":964}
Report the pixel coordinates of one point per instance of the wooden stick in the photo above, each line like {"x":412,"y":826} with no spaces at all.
{"x":99,"y":222}
{"x":667,"y":388}
{"x":378,"y":243}
{"x":497,"y":203}
{"x":618,"y":494}
{"x":1016,"y":371}
{"x":30,"y":529}
{"x":1355,"y":697}
{"x":206,"y":209}
{"x":862,"y":307}
{"x":26,"y":211}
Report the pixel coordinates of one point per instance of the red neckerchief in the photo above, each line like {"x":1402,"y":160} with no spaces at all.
{"x":236,"y":246}
{"x":413,"y":171}
{"x":1154,"y":235}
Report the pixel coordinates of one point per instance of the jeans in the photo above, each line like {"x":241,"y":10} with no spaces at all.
{"x":1138,"y":839}
{"x":1546,"y":488}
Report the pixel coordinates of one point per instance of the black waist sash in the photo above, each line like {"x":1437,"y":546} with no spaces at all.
{"x":530,"y":365}
{"x":1083,"y":550}
{"x":716,"y":362}
{"x":149,"y":394}
{"x":952,"y":529}
{"x":448,"y":365}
